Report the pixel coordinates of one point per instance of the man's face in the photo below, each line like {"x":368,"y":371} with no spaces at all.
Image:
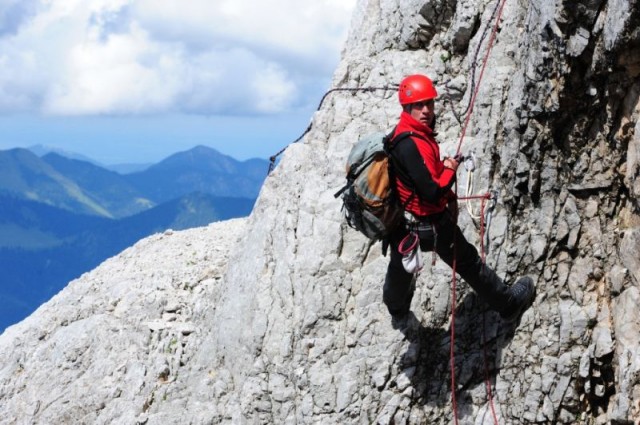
{"x":423,"y":111}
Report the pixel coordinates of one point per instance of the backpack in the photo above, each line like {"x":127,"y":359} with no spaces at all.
{"x":369,"y":199}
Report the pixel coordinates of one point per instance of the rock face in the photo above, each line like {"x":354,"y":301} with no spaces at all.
{"x":280,"y":319}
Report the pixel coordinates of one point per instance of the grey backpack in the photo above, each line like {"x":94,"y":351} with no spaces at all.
{"x":369,"y":199}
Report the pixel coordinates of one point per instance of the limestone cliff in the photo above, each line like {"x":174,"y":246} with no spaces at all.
{"x":279,"y":319}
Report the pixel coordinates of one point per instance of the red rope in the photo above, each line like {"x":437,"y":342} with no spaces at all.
{"x":482,"y":254}
{"x":483,"y":197}
{"x":487,"y":381}
{"x":484,"y":65}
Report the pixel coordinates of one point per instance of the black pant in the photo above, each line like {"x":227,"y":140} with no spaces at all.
{"x":439,"y":232}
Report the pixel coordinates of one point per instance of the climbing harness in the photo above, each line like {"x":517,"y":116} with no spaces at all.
{"x":426,"y":230}
{"x":273,"y":158}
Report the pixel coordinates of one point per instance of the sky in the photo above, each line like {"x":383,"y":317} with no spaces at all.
{"x":134,"y":81}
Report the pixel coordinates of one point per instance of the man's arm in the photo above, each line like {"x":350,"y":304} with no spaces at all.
{"x":421,"y":180}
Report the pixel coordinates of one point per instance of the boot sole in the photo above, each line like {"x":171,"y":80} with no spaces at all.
{"x":513,"y":317}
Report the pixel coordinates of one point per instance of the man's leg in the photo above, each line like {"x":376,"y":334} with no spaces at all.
{"x":398,"y":284}
{"x":508,"y":301}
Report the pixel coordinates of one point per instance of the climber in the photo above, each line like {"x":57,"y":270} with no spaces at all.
{"x":423,"y":185}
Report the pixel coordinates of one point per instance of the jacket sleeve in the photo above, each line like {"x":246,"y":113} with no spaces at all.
{"x":426,"y":174}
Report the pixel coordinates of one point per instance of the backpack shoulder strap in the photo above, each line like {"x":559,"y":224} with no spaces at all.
{"x":395,"y":167}
{"x":390,"y":144}
{"x":391,"y":141}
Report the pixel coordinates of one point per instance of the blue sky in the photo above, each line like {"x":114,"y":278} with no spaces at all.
{"x":124,"y":81}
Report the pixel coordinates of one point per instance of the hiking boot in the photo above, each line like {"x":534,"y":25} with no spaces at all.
{"x":521,"y":296}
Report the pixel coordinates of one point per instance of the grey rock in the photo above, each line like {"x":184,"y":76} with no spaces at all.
{"x":629,"y":249}
{"x":632,"y":171}
{"x":617,"y":276}
{"x":578,"y":42}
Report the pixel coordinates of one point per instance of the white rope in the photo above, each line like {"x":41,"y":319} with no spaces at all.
{"x":470,"y":166}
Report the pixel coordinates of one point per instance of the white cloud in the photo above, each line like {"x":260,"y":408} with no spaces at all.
{"x":124,"y":73}
{"x":145,"y":56}
{"x":288,"y":26}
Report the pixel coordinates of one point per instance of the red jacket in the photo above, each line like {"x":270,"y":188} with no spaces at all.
{"x":419,"y":159}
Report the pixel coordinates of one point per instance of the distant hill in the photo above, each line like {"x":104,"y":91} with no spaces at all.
{"x":200,"y":169}
{"x":27,"y":176}
{"x":127,"y":168}
{"x":31,"y":225}
{"x":42,"y":150}
{"x":84,"y":187}
{"x":108,"y":188}
{"x":192,"y":210}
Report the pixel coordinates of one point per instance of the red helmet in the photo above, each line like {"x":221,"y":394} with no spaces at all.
{"x":416,"y":88}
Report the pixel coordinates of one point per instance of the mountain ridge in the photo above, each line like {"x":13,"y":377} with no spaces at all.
{"x":85,"y":187}
{"x":27,"y":174}
{"x":206,"y":170}
{"x":109,"y":188}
